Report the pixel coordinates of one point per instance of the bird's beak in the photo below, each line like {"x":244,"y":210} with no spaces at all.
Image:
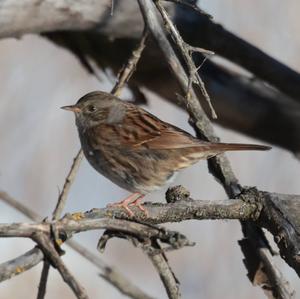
{"x":73,"y":108}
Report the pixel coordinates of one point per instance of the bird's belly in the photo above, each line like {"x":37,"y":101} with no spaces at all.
{"x":131,"y":170}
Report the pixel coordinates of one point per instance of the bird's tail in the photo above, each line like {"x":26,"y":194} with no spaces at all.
{"x":208,"y":150}
{"x":222,"y":147}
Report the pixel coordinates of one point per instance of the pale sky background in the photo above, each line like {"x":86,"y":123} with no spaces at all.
{"x":39,"y":142}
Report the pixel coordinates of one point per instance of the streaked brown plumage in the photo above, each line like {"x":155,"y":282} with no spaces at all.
{"x":135,"y":149}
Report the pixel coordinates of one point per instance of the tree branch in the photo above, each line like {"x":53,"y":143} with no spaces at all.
{"x":255,"y":206}
{"x":16,"y":16}
{"x":51,"y":253}
{"x":43,"y":280}
{"x":218,"y":166}
{"x":186,"y":52}
{"x":67,"y":185}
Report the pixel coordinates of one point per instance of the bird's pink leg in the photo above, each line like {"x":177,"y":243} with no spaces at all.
{"x":137,"y":203}
{"x":131,"y":199}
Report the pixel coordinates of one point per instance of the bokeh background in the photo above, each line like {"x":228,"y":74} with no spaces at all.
{"x":39,"y":141}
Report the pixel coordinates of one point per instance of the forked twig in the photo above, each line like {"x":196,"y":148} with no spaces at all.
{"x":186,"y":51}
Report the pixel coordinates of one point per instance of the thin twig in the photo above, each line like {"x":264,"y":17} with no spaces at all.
{"x":116,"y":218}
{"x":21,"y":264}
{"x":43,"y":281}
{"x":67,"y":185}
{"x":127,"y":71}
{"x":47,"y":247}
{"x":111,"y":7}
{"x":186,"y":51}
{"x":9,"y":200}
{"x":166,"y":274}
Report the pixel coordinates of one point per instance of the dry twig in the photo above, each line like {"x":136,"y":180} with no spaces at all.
{"x":187,"y":51}
{"x":219,"y":166}
{"x":52,"y":255}
{"x":127,"y":71}
{"x":160,"y":262}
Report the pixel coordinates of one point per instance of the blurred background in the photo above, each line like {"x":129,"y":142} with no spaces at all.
{"x":39,"y":141}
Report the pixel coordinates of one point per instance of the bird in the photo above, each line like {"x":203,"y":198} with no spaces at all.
{"x":135,"y":149}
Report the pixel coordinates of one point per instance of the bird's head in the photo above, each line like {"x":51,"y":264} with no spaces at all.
{"x":96,"y":108}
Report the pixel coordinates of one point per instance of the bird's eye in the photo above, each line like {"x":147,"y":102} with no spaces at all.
{"x":91,"y":108}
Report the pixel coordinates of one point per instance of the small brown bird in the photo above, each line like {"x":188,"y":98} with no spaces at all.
{"x":136,"y":150}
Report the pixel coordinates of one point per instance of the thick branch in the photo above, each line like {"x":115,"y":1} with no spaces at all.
{"x":285,"y":230}
{"x":158,"y":213}
{"x":21,"y":264}
{"x":19,"y":17}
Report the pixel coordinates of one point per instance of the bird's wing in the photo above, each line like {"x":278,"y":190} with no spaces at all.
{"x":141,"y":128}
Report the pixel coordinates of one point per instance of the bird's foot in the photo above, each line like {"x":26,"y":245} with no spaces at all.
{"x":123,"y":205}
{"x":137,"y":203}
{"x":134,"y":200}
